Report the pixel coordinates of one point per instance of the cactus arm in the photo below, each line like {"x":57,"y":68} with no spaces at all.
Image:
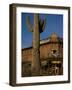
{"x":43,"y":24}
{"x":30,"y":26}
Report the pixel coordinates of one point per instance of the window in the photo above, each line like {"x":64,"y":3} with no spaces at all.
{"x":54,"y":51}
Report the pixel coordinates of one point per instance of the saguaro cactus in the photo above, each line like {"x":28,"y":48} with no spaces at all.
{"x":37,"y":28}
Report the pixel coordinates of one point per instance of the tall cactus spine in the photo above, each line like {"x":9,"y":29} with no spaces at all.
{"x":37,"y":28}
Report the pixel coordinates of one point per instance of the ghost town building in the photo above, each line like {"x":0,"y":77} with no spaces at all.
{"x":51,"y":57}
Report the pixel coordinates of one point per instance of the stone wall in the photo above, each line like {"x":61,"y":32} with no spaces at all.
{"x":45,"y":51}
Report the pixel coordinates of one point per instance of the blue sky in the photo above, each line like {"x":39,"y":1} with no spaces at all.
{"x":54,"y":23}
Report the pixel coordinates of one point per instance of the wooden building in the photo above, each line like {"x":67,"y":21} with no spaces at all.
{"x":51,"y":57}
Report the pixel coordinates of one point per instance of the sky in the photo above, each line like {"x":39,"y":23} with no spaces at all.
{"x":54,"y":23}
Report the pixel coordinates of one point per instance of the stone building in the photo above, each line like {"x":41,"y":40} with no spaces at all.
{"x":51,"y":57}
